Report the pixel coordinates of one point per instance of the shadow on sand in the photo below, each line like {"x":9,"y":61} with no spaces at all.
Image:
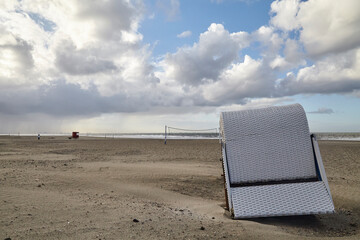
{"x":342,"y":223}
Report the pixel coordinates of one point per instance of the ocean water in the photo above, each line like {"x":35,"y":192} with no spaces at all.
{"x":123,"y":135}
{"x":339,"y":136}
{"x":320,"y":136}
{"x":155,"y":135}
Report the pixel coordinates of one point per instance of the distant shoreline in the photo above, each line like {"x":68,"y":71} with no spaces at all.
{"x":320,"y":136}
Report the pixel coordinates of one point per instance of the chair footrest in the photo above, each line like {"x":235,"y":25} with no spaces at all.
{"x":281,"y":200}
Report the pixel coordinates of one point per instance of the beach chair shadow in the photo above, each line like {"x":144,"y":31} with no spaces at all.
{"x":272,"y":164}
{"x":340,"y":224}
{"x":303,"y":221}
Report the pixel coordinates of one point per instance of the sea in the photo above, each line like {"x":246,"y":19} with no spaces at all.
{"x":344,"y":136}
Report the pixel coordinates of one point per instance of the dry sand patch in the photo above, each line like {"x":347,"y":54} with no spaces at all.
{"x":92,"y":188}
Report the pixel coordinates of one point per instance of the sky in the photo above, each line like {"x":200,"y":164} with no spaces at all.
{"x":135,"y":66}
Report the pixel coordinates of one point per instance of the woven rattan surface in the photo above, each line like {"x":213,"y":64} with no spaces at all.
{"x":267,"y":144}
{"x":281,"y":200}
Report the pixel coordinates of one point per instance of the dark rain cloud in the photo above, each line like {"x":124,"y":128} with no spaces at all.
{"x":66,"y":99}
{"x":80,"y":62}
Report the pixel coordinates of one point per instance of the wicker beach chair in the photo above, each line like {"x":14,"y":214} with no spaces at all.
{"x":272,"y":165}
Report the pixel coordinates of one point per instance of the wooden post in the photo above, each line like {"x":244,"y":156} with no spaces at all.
{"x":165,"y":134}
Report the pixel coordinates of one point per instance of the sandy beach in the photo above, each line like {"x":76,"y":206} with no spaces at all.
{"x":97,"y":188}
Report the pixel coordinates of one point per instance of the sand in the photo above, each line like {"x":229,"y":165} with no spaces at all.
{"x":95,"y":188}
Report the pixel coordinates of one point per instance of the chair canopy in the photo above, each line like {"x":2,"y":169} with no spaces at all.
{"x":268,"y":144}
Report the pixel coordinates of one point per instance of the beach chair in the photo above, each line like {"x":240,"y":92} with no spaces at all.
{"x":272,"y":164}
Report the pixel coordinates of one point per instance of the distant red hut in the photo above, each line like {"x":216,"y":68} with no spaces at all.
{"x":75,"y":134}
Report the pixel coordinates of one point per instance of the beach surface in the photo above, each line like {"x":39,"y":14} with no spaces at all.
{"x":97,"y":188}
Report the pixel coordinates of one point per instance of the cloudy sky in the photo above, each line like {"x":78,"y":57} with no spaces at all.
{"x":134,"y":66}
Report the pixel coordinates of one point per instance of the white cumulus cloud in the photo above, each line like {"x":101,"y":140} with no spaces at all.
{"x":205,"y":60}
{"x":285,"y":12}
{"x":184,"y":34}
{"x":51,"y":51}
